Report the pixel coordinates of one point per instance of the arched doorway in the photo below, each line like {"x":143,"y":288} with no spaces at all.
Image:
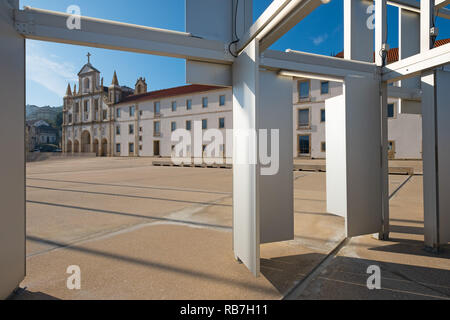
{"x":104,"y":152}
{"x":76,"y":146}
{"x":69,"y":147}
{"x":85,"y":142}
{"x":96,"y":149}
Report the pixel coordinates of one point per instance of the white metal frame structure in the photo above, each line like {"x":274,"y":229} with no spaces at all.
{"x":262,"y":205}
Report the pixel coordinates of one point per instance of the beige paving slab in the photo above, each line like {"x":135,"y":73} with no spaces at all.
{"x":144,"y":232}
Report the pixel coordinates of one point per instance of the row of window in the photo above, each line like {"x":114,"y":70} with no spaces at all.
{"x":304,"y":88}
{"x":157,"y":126}
{"x":304,"y":118}
{"x":174,"y":104}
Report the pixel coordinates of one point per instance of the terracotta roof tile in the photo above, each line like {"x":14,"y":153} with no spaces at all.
{"x":393,"y":53}
{"x":171,"y":92}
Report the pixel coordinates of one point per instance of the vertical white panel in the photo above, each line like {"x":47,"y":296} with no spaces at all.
{"x":362,"y":101}
{"x":436,"y":157}
{"x":210,"y":19}
{"x":358,"y":37}
{"x":276,"y":196}
{"x":198,"y":72}
{"x":409,"y":45}
{"x":443,"y":140}
{"x":12,"y":169}
{"x":430,"y":192}
{"x":246,"y":227}
{"x":214,"y":19}
{"x":353,"y":156}
{"x":336,"y":158}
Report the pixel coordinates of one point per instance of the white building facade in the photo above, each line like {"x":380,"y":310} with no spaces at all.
{"x":124,"y":122}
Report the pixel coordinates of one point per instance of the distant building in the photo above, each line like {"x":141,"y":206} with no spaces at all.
{"x":39,"y":132}
{"x":120,"y":121}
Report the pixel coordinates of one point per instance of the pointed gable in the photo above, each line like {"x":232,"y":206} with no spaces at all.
{"x":87,"y":68}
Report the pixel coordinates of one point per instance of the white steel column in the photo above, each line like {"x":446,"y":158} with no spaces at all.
{"x":12,"y":144}
{"x":380,"y":44}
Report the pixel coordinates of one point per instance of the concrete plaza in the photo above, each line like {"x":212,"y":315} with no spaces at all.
{"x":144,"y":232}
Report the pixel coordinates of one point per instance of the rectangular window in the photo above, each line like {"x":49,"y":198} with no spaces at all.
{"x":140,"y":138}
{"x":204,"y":124}
{"x":189,"y":104}
{"x":77,"y":107}
{"x":322,"y":115}
{"x":157,"y":108}
{"x":303,"y":89}
{"x":118,"y":148}
{"x":323,"y":147}
{"x":174,"y":106}
{"x":221,"y":123}
{"x":205,"y":102}
{"x":131,"y":148}
{"x":304,"y":145}
{"x":131,"y":129}
{"x":391,"y":110}
{"x":132,"y":109}
{"x":222,"y":100}
{"x":188,"y":125}
{"x":105,"y":114}
{"x":86,"y":106}
{"x":157,"y":128}
{"x":324,"y":87}
{"x":173,"y":126}
{"x":303,"y":118}
{"x":118,"y":130}
{"x":118,"y":113}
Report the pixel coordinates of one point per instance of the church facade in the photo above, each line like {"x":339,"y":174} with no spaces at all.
{"x":125,"y":122}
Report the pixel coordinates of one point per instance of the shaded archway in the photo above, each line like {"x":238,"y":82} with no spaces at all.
{"x":104,"y":151}
{"x":86,"y":142}
{"x":76,"y":146}
{"x":96,"y":147}
{"x":69,"y":147}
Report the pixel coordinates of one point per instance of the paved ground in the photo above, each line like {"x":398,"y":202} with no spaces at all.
{"x":144,"y":232}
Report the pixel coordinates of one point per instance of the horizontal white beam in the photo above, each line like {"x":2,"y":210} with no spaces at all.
{"x":51,"y":26}
{"x":414,"y":6}
{"x":276,"y":20}
{"x":417,"y":64}
{"x":296,"y":74}
{"x":314,"y":64}
{"x":404,"y":93}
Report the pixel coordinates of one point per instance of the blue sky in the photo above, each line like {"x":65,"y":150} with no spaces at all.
{"x":51,"y":66}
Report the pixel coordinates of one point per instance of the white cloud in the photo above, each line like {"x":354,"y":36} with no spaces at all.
{"x":49,"y":70}
{"x":320,"y":39}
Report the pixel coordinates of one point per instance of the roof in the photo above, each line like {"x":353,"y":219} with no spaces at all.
{"x":171,"y":92}
{"x":392,"y":55}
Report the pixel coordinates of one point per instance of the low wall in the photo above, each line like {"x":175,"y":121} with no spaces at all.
{"x":41,"y":156}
